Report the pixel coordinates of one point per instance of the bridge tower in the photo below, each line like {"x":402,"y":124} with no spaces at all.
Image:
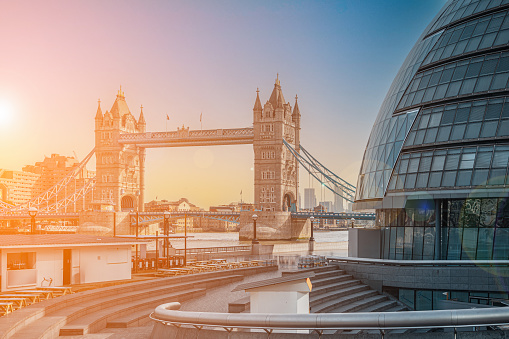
{"x":119,"y":168}
{"x":275,"y":169}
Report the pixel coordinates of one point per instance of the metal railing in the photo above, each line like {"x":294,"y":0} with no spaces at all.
{"x":222,"y":249}
{"x":418,"y":263}
{"x":169,"y":314}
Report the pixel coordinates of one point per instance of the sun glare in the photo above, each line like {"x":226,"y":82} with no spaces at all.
{"x":6,"y":113}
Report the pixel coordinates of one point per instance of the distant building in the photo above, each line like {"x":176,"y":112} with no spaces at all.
{"x":19,"y":187}
{"x":329,"y":207}
{"x":175,"y":206}
{"x":309,"y":198}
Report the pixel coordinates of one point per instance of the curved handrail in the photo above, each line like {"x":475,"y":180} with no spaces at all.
{"x":168,"y":313}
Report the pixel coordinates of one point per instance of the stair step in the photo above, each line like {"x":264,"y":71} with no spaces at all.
{"x":333,"y":287}
{"x":383,"y":306}
{"x":327,"y":274}
{"x":325,"y":297}
{"x":97,"y":320}
{"x":397,"y":308}
{"x":336,"y":303}
{"x":331,"y":280}
{"x":136,"y":319}
{"x":90,"y":301}
{"x":361,"y":304}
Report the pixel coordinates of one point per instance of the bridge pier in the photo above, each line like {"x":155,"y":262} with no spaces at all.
{"x":273,"y":226}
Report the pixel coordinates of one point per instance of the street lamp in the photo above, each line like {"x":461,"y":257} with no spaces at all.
{"x":353,"y":221}
{"x":255,"y":241}
{"x":32,"y":211}
{"x":166,"y":231}
{"x":312,"y":221}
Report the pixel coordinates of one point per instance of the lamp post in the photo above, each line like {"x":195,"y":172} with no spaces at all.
{"x":312,"y":222}
{"x":353,"y":221}
{"x":32,"y":211}
{"x":166,"y":231}
{"x":255,"y":241}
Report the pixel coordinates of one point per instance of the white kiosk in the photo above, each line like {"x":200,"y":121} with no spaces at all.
{"x":288,"y":294}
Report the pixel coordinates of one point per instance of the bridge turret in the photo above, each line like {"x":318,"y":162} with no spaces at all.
{"x":99,"y":114}
{"x":276,"y":171}
{"x":142,"y":125}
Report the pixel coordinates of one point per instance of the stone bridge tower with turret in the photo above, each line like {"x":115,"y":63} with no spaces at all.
{"x":119,"y":168}
{"x":276,"y":170}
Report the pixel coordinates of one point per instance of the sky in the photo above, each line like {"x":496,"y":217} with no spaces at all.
{"x":186,"y":58}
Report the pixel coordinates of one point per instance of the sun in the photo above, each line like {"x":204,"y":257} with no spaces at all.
{"x":6,"y":113}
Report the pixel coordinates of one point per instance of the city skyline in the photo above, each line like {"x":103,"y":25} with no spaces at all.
{"x":192,"y":61}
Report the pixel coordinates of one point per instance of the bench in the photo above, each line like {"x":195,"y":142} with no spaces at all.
{"x":6,"y":307}
{"x":32,"y":297}
{"x":19,"y":302}
{"x":60,"y":290}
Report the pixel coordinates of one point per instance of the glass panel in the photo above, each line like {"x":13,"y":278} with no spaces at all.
{"x":497,"y":176}
{"x":449,"y":178}
{"x":473,"y":130}
{"x":480,"y":177}
{"x":443,"y":133}
{"x":467,"y":161}
{"x":485,"y":243}
{"x":437,"y":297}
{"x":418,"y":243}
{"x":489,"y":129}
{"x":392,"y":249}
{"x":483,"y":160}
{"x":428,"y":251}
{"x":501,"y":247}
{"x":423,"y":300}
{"x":469,"y":243}
{"x":435,"y":179}
{"x":463,"y":178}
{"x":457,"y":132}
{"x":407,"y":297}
{"x":451,"y":162}
{"x":408,"y":243}
{"x":387,"y":241}
{"x":454,"y":249}
{"x":400,"y":232}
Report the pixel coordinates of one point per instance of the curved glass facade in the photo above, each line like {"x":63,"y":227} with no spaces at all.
{"x":436,"y":163}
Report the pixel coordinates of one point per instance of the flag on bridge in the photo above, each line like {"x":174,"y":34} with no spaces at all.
{"x":167,"y":117}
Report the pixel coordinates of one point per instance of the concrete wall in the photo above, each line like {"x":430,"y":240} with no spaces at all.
{"x":273,"y":226}
{"x":105,"y":263}
{"x":482,"y":279}
{"x":364,"y":243}
{"x":89,"y":264}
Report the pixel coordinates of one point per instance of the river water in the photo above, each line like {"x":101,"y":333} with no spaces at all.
{"x":232,"y":239}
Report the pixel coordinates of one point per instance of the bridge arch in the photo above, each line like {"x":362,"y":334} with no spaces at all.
{"x":289,"y":202}
{"x":127,"y":203}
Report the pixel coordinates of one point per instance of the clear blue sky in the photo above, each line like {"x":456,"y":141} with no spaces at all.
{"x":184,"y":58}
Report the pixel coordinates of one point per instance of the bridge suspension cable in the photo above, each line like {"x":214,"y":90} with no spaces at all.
{"x":42,"y":202}
{"x":321,"y":173}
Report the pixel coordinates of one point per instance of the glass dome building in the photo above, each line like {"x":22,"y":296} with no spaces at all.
{"x":435,"y":166}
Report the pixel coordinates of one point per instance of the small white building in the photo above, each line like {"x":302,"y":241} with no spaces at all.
{"x":63,"y":259}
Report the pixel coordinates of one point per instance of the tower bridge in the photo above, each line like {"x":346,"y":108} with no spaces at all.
{"x":121,"y":141}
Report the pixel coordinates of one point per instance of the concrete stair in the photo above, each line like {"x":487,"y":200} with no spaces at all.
{"x":335,"y":291}
{"x":114,"y":306}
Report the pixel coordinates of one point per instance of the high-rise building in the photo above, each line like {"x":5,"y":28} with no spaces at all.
{"x":338,"y":200}
{"x":309,"y":198}
{"x":435,"y":166}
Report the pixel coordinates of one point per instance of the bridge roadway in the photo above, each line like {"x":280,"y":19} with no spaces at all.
{"x":147,"y":217}
{"x":185,"y":137}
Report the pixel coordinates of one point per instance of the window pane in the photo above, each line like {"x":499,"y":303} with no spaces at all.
{"x":422,"y":180}
{"x":423,"y":300}
{"x":457,"y":132}
{"x":418,"y":242}
{"x":407,"y":297}
{"x":431,"y":135}
{"x":480,"y":177}
{"x":467,"y":161}
{"x":497,"y":176}
{"x":429,"y":243}
{"x":469,"y":243}
{"x":435,"y":179}
{"x":501,"y":247}
{"x":449,"y":178}
{"x":451,"y":162}
{"x":410,"y":180}
{"x":400,"y":231}
{"x":483,"y":160}
{"x":503,"y":128}
{"x":408,"y":244}
{"x":454,"y":249}
{"x":438,"y":163}
{"x":489,"y":129}
{"x":485,"y":243}
{"x":464,"y":178}
{"x":500,"y":159}
{"x":473,"y":130}
{"x":443,"y":133}
{"x":425,"y":164}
